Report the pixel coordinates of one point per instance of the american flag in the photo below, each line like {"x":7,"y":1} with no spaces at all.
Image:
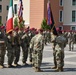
{"x":20,"y":10}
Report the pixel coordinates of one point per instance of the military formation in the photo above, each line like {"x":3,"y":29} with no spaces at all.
{"x":32,"y":41}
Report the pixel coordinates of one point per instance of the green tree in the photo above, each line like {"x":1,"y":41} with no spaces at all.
{"x":15,"y":22}
{"x":44,"y":25}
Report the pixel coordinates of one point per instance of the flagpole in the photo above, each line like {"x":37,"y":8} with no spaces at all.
{"x":20,"y":13}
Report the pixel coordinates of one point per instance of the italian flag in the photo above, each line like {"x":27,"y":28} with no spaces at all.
{"x":9,"y":24}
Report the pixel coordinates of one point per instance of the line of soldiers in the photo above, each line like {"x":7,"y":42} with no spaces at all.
{"x":17,"y":40}
{"x":71,"y":39}
{"x":31,"y":41}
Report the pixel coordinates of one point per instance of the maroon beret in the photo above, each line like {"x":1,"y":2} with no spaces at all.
{"x":2,"y":27}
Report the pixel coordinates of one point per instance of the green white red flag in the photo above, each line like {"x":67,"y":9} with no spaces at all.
{"x":9,"y":24}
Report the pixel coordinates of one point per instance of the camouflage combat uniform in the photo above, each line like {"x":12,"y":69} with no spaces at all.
{"x":37,"y":43}
{"x":24,"y":45}
{"x":2,"y":49}
{"x":10,"y":49}
{"x":16,"y":48}
{"x":59,"y":44}
{"x":54,"y":51}
{"x":71,"y":41}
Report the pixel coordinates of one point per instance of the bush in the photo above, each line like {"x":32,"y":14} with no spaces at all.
{"x":44,"y":25}
{"x":16,"y":23}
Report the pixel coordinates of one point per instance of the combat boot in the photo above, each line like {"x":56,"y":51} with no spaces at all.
{"x":54,"y":67}
{"x":10,"y":66}
{"x":61,"y":68}
{"x":58,"y":69}
{"x":38,"y":70}
{"x":30,"y":63}
{"x":1,"y":66}
{"x":25,"y":64}
{"x":16,"y":65}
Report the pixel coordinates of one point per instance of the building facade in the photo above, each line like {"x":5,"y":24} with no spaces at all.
{"x":64,"y":13}
{"x":69,"y":12}
{"x":26,"y":10}
{"x":34,"y":11}
{"x":3,"y":11}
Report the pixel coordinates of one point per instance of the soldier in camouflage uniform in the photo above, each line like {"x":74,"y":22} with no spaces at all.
{"x":45,"y":37}
{"x":48,"y":36}
{"x":59,"y":45}
{"x":31,"y":34}
{"x":37,"y":43}
{"x":16,"y":46}
{"x":71,"y":40}
{"x":10,"y":49}
{"x":65,"y":34}
{"x":54,"y":52}
{"x":2,"y":46}
{"x":24,"y":45}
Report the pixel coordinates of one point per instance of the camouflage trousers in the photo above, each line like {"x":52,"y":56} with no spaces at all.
{"x":16,"y":54}
{"x":25,"y":53}
{"x":71,"y":45}
{"x":54,"y":58}
{"x":2,"y":53}
{"x":60,"y":58}
{"x":30,"y":54}
{"x":10,"y":55}
{"x":37,"y":59}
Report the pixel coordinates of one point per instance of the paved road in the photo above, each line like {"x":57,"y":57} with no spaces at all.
{"x":47,"y":63}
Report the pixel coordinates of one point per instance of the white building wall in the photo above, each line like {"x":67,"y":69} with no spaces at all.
{"x":67,"y":12}
{"x":26,"y":10}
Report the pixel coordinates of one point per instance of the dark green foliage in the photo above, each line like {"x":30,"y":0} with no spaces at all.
{"x":44,"y":25}
{"x":15,"y":22}
{"x":20,"y":25}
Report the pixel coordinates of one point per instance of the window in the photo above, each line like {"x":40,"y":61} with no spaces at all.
{"x":61,"y":2}
{"x":73,"y":2}
{"x":1,"y":18}
{"x":7,"y":7}
{"x":6,"y":18}
{"x":0,"y":8}
{"x":61,"y":16}
{"x":74,"y":16}
{"x":15,"y":8}
{"x":72,"y":28}
{"x":61,"y":28}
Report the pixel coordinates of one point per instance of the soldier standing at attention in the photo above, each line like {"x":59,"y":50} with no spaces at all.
{"x":59,"y":45}
{"x":10,"y":49}
{"x":2,"y":46}
{"x":37,"y":43}
{"x":71,"y":40}
{"x":54,"y":52}
{"x":16,"y":46}
{"x":24,"y":44}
